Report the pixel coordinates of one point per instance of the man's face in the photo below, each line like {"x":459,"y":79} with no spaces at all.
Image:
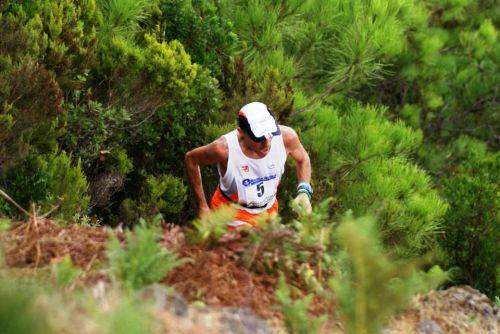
{"x":261,"y":148}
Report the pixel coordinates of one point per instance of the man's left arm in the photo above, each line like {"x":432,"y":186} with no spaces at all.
{"x":303,"y":165}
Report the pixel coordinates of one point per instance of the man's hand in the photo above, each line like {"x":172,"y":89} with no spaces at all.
{"x":302,"y":200}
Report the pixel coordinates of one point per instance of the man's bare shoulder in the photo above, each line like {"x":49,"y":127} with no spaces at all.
{"x":220,"y":148}
{"x":290,"y":137}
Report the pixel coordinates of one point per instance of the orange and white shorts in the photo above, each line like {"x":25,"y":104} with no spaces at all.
{"x":243,"y":217}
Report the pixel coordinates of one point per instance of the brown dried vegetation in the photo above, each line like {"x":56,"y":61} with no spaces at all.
{"x":39,"y":242}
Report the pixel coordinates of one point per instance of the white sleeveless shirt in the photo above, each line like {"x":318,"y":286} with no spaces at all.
{"x":255,"y":181}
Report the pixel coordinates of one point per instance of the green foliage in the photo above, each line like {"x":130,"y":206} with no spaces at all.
{"x":143,"y":260}
{"x":165,"y":194}
{"x":122,"y":17}
{"x":92,"y":128}
{"x":330,"y":45}
{"x":365,"y":161}
{"x":129,"y":317}
{"x":270,"y":88}
{"x":208,"y":229}
{"x":48,"y":180}
{"x":4,"y":224}
{"x":64,"y":272}
{"x":302,"y":249}
{"x":207,"y":36}
{"x":30,"y":100}
{"x":473,"y":226}
{"x":295,"y":312}
{"x":449,"y":72}
{"x":66,"y":182}
{"x":59,"y":35}
{"x":18,"y":313}
{"x":373,"y":287}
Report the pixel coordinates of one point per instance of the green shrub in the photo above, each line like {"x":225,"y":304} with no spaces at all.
{"x":130,"y":316}
{"x":64,"y":272}
{"x":371,"y":286}
{"x":327,"y":46}
{"x":30,"y":99}
{"x":4,"y":225}
{"x":122,"y":17}
{"x":211,"y":227}
{"x":295,"y":312}
{"x":92,"y":128}
{"x":165,"y":194}
{"x":48,"y":180}
{"x":364,"y":161}
{"x":18,"y":313}
{"x":206,"y":35}
{"x":448,"y":74}
{"x":143,"y":260}
{"x":472,"y":227}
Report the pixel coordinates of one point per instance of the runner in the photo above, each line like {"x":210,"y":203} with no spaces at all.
{"x":250,"y":161}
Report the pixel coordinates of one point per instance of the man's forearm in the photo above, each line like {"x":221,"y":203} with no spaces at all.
{"x":194,"y":178}
{"x":304,"y":169}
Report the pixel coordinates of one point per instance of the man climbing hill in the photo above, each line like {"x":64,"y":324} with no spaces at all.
{"x":250,"y":161}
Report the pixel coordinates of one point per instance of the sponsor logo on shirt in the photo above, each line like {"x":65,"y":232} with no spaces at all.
{"x":251,"y":182}
{"x":245,"y":168}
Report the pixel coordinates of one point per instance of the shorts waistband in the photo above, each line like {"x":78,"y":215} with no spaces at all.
{"x":226,"y":196}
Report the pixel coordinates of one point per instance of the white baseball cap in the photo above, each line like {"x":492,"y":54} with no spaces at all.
{"x":257,"y":121}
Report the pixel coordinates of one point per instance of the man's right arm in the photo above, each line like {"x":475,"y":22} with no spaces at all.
{"x":212,"y":153}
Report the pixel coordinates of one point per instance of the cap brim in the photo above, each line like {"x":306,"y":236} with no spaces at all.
{"x":265,"y":129}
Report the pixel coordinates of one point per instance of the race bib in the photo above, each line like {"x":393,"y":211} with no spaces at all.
{"x":260,"y":191}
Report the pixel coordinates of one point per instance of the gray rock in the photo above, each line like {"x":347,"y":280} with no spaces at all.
{"x":243,"y":320}
{"x":429,"y":327}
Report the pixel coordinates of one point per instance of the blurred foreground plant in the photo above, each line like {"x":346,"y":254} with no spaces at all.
{"x":295,"y":312}
{"x":211,"y":227}
{"x":373,"y":287}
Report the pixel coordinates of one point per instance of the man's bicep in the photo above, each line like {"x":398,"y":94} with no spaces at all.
{"x":298,"y":152}
{"x":294,"y":146}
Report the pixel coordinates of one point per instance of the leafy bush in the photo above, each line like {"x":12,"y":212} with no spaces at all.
{"x":295,"y":312}
{"x":207,"y":36}
{"x":372,"y":287}
{"x":48,"y":180}
{"x":64,"y":272}
{"x":447,"y":76}
{"x":18,"y":313}
{"x":129,"y":317}
{"x":165,"y":194}
{"x":472,"y":228}
{"x":211,"y":227}
{"x":92,"y":128}
{"x":30,"y":99}
{"x":143,"y":260}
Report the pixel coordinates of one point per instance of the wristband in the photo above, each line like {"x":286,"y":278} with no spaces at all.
{"x":305,"y":187}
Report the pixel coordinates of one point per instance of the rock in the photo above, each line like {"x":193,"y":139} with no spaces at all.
{"x":180,"y":317}
{"x":429,"y":327}
{"x":165,"y":298}
{"x":459,"y":309}
{"x":243,"y":320}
